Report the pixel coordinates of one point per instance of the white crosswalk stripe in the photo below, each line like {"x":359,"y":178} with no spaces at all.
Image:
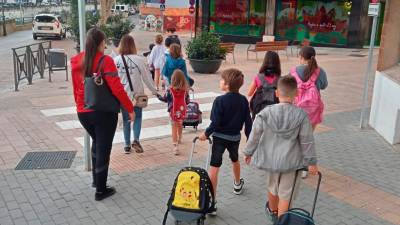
{"x":153,"y":132}
{"x":152,"y":101}
{"x":150,"y":114}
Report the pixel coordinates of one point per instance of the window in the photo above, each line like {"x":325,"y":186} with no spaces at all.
{"x":237,"y":17}
{"x":45,"y":19}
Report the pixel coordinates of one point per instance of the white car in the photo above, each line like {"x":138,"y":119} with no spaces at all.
{"x":48,"y":25}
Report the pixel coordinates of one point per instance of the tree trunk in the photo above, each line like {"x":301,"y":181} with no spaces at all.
{"x":105,"y":10}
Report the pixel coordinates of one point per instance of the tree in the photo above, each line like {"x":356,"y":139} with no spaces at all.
{"x":105,"y":10}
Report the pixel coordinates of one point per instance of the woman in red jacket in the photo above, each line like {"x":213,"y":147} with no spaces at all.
{"x":100,"y":125}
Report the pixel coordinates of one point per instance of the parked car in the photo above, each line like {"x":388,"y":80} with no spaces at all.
{"x":48,"y":25}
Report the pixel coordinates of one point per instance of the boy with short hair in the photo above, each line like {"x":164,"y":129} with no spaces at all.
{"x":228,"y":114}
{"x":282,"y":142}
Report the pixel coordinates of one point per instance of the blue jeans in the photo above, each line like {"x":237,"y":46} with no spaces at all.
{"x":137,"y":125}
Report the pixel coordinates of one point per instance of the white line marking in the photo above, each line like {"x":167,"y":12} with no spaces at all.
{"x":153,"y":132}
{"x":151,"y":114}
{"x":72,"y":110}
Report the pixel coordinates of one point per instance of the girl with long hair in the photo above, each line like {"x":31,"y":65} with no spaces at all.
{"x":311,"y":79}
{"x":100,"y":125}
{"x":177,"y":98}
{"x":270,"y":68}
{"x":139,"y":74}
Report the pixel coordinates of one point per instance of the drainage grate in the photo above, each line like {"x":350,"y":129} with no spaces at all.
{"x":356,"y":55}
{"x":46,"y":160}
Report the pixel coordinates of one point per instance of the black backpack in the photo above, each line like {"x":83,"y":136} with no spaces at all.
{"x":264,"y":96}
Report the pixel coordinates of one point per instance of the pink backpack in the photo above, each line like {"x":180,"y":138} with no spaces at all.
{"x":308,"y":97}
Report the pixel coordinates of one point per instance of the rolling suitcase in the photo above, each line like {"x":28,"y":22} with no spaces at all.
{"x":193,"y":114}
{"x":192,"y":195}
{"x":298,"y":216}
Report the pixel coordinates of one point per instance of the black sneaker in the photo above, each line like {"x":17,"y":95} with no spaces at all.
{"x":109,"y":191}
{"x":127,"y":150}
{"x":137,"y":147}
{"x":273,"y":215}
{"x":213,"y":210}
{"x":238,"y":188}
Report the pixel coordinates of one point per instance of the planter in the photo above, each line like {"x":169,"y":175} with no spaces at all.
{"x":205,"y":66}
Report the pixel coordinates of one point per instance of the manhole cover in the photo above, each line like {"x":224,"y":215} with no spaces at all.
{"x":46,"y":160}
{"x":357,"y":55}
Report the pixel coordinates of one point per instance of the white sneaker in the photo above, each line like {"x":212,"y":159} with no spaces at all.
{"x":304,"y":174}
{"x":238,"y":188}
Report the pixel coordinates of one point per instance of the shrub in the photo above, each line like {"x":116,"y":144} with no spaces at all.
{"x":205,"y":47}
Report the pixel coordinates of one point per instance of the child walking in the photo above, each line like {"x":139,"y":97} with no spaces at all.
{"x":262,"y":89}
{"x":228,"y":114}
{"x":174,"y":60}
{"x":311,"y":79}
{"x":281,"y":142}
{"x":157,"y":59}
{"x":177,"y":98}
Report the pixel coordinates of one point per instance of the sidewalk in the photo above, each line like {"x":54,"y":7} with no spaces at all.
{"x":360,"y":169}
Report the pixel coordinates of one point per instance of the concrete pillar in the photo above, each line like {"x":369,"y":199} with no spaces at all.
{"x":389,"y":53}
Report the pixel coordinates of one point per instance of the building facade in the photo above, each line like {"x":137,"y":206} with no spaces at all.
{"x":342,"y":23}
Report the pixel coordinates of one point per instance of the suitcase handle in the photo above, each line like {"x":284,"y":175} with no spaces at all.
{"x":208,"y":153}
{"x":191,"y":90}
{"x":316,"y":191}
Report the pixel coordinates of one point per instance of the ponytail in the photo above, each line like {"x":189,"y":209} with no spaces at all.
{"x":311,"y":67}
{"x":308,"y":53}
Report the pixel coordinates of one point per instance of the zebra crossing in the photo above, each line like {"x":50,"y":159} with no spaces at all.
{"x":153,"y":132}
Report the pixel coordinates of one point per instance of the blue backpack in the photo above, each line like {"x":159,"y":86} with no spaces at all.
{"x":298,"y":216}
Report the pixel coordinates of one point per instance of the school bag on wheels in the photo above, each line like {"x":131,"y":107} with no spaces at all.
{"x":264,"y":96}
{"x":192,"y":194}
{"x":298,"y":216}
{"x":193,"y":114}
{"x":308,"y":96}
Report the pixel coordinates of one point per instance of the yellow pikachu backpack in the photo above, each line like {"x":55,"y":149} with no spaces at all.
{"x":192,"y":194}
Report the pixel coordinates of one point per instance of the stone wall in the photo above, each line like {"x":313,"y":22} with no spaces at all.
{"x":11,"y":27}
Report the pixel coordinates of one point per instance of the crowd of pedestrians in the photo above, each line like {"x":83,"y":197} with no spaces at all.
{"x":279,"y":114}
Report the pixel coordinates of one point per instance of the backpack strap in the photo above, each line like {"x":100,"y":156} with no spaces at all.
{"x":294,"y":73}
{"x":315,"y":75}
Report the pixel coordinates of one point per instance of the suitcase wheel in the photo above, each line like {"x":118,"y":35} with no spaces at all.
{"x":200,"y":221}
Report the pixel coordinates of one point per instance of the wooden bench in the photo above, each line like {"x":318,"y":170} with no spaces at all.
{"x":268,"y":46}
{"x":229,"y":48}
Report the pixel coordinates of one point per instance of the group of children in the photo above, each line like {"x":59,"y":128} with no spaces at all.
{"x":280,"y":139}
{"x":286,"y":111}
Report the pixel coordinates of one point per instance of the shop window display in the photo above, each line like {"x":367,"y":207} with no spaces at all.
{"x":237,"y":17}
{"x":323,"y":22}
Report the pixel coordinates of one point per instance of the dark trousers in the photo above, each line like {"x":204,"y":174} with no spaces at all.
{"x":101,"y":127}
